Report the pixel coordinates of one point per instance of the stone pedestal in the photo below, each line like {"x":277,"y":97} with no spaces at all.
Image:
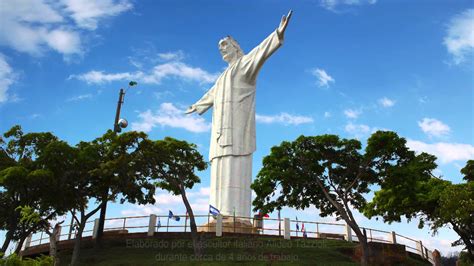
{"x":229,"y":225}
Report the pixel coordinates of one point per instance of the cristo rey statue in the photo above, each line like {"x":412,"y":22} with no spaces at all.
{"x":233,"y":122}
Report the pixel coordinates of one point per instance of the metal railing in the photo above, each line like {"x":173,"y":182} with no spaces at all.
{"x":237,"y":224}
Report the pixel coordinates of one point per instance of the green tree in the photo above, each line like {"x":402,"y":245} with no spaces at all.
{"x":24,"y":182}
{"x":118,"y":164}
{"x":171,"y":163}
{"x":113,"y":163}
{"x":432,"y":200}
{"x":330,"y":173}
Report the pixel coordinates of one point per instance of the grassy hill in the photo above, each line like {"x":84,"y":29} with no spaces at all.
{"x":228,"y":250}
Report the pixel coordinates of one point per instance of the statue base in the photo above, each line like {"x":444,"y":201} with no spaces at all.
{"x":230,"y":225}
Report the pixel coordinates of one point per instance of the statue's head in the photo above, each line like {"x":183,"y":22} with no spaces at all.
{"x":230,"y":49}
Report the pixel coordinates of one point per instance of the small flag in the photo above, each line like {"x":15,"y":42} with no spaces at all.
{"x":297,"y":225}
{"x":304,"y":234}
{"x":172,"y":216}
{"x":302,"y":227}
{"x":159,"y":223}
{"x":263,"y":215}
{"x":213,"y":210}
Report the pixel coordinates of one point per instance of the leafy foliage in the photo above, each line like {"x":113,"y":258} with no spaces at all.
{"x":15,"y":260}
{"x":171,"y":164}
{"x":430,"y":199}
{"x":334,"y":175}
{"x":24,"y":181}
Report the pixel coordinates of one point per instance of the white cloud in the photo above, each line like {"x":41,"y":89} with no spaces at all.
{"x":87,"y":13}
{"x":358,"y":130}
{"x":460,"y":36}
{"x":99,"y":77}
{"x":169,"y":115}
{"x":327,"y":114}
{"x":171,"y":56}
{"x":63,"y":41}
{"x":323,"y":78}
{"x":7,"y":78}
{"x":36,"y":26}
{"x":179,"y":70}
{"x":155,"y":76}
{"x":34,"y":11}
{"x":80,"y":97}
{"x":434,"y":127}
{"x":333,"y":4}
{"x":446,"y":152}
{"x":32,"y":26}
{"x":284,"y":118}
{"x":165,"y":201}
{"x":386,"y":102}
{"x":351,"y":113}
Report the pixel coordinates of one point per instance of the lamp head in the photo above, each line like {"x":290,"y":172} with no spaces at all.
{"x":123,"y":123}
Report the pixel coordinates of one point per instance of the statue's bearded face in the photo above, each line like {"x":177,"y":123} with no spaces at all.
{"x":228,"y":51}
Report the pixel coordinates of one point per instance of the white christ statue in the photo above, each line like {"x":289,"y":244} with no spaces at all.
{"x":233,"y":122}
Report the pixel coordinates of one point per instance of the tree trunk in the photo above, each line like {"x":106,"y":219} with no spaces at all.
{"x":364,"y":259}
{"x":6,"y":243}
{"x":77,"y":243}
{"x":192,"y":223}
{"x":103,"y":211}
{"x":466,"y":239}
{"x":53,"y":245}
{"x":20,"y":244}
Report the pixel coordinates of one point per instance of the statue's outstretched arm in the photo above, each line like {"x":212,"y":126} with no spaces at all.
{"x":254,"y":60}
{"x":283,"y":24}
{"x":204,"y":103}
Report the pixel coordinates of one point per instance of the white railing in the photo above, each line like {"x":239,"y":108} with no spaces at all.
{"x":263,"y":226}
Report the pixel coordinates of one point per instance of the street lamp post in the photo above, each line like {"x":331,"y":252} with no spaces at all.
{"x":118,"y":125}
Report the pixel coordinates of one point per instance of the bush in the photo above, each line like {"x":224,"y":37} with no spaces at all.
{"x":15,"y":260}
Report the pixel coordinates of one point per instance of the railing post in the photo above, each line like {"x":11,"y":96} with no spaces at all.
{"x":124,"y":220}
{"x":393,"y":237}
{"x":436,"y":258}
{"x":28,"y":241}
{"x":419,"y":247}
{"x":151,"y":225}
{"x":348,"y":235}
{"x":286,"y":225}
{"x":208,"y":223}
{"x":219,"y":225}
{"x":58,"y":233}
{"x":317,"y":230}
{"x":95,"y":229}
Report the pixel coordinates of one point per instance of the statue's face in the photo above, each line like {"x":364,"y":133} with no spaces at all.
{"x":228,"y":51}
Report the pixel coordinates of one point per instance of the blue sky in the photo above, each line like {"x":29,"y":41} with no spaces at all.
{"x":347,"y":67}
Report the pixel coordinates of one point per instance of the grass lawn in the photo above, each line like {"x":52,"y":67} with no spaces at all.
{"x":218,"y":251}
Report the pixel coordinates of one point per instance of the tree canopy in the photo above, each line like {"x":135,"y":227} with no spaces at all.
{"x":333,"y":174}
{"x":433,"y":201}
{"x":172,"y":164}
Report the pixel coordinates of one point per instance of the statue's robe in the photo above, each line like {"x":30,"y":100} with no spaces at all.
{"x":233,"y":129}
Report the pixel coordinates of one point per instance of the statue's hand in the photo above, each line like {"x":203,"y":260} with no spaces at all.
{"x":284,"y":23}
{"x":191,"y":109}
